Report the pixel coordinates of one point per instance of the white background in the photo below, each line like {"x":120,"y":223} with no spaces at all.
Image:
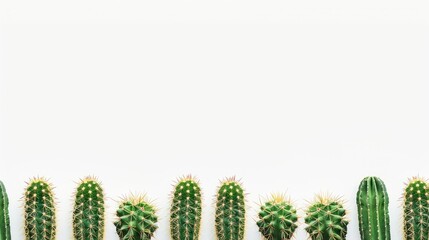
{"x":304,"y":97}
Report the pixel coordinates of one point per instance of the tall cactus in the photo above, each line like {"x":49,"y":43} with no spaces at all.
{"x":326,"y":219}
{"x":136,"y":219}
{"x":4,"y":214}
{"x":277,"y":219}
{"x":373,"y":209}
{"x":230,"y":211}
{"x":185,"y":215}
{"x":88,"y":212}
{"x":416,"y":210}
{"x":39,"y":211}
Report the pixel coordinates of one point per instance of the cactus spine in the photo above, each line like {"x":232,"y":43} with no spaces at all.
{"x":39,"y":210}
{"x":230,"y":211}
{"x":136,"y":219}
{"x":416,"y":210}
{"x":88,"y":212}
{"x":4,"y":214}
{"x":373,"y":202}
{"x":326,"y":219}
{"x":277,"y":219}
{"x":185,"y":215}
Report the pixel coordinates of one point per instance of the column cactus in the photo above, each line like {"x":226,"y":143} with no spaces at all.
{"x":4,"y":214}
{"x":185,"y":213}
{"x":136,"y":219}
{"x":230,"y":211}
{"x":39,"y":210}
{"x":416,"y":209}
{"x":277,"y":219}
{"x":326,"y":219}
{"x":88,"y":211}
{"x":373,"y":209}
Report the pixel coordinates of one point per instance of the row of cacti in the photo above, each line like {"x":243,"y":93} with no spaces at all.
{"x":326,"y":217}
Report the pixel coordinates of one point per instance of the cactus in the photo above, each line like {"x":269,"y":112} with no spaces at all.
{"x":230,"y":211}
{"x":4,"y":214}
{"x":326,"y":219}
{"x":185,"y":215}
{"x":136,"y":219}
{"x":88,"y":211}
{"x":416,"y":210}
{"x":39,"y":210}
{"x":373,"y":213}
{"x":277,"y":219}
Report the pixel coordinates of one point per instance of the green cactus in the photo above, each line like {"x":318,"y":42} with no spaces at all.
{"x":326,"y":219}
{"x":277,"y":219}
{"x":88,"y":211}
{"x":230,"y":216}
{"x":39,"y":211}
{"x":373,"y":209}
{"x":136,"y":219}
{"x":4,"y":214}
{"x":185,"y":215}
{"x":416,"y":210}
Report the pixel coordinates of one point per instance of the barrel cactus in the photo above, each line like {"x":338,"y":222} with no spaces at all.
{"x":277,"y":219}
{"x":326,"y":219}
{"x":88,"y":211}
{"x":230,"y":211}
{"x":39,"y":210}
{"x":185,"y":213}
{"x":416,"y":209}
{"x":136,"y":219}
{"x":4,"y":214}
{"x":373,"y":209}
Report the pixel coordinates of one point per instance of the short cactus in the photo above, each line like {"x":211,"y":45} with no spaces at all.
{"x":39,"y":211}
{"x":373,"y":209}
{"x":230,"y":211}
{"x":88,"y":211}
{"x":4,"y":214}
{"x":185,"y":215}
{"x":277,"y":219}
{"x":416,"y":210}
{"x":136,"y":219}
{"x":326,"y":219}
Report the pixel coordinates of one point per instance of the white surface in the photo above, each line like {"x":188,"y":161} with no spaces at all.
{"x":300,"y":96}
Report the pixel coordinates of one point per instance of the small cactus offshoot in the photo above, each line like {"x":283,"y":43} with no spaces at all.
{"x":326,"y":219}
{"x":230,"y":216}
{"x":136,"y":219}
{"x":277,"y":219}
{"x":88,"y":212}
{"x":416,"y":209}
{"x":185,"y":214}
{"x":39,"y":211}
{"x":4,"y":214}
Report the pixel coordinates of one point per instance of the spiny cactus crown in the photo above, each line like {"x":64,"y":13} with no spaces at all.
{"x":416,"y":210}
{"x":185,"y":218}
{"x":277,"y":219}
{"x":39,"y":211}
{"x":326,"y":219}
{"x":230,"y":211}
{"x":4,"y":214}
{"x":136,"y":220}
{"x":88,"y":213}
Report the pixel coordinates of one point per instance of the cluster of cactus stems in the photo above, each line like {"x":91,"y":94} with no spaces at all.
{"x":39,"y":210}
{"x":4,"y":214}
{"x":88,"y":211}
{"x":230,"y":218}
{"x":277,"y":218}
{"x":373,"y":209}
{"x":185,"y":213}
{"x":326,"y":219}
{"x":136,"y":219}
{"x":416,"y":209}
